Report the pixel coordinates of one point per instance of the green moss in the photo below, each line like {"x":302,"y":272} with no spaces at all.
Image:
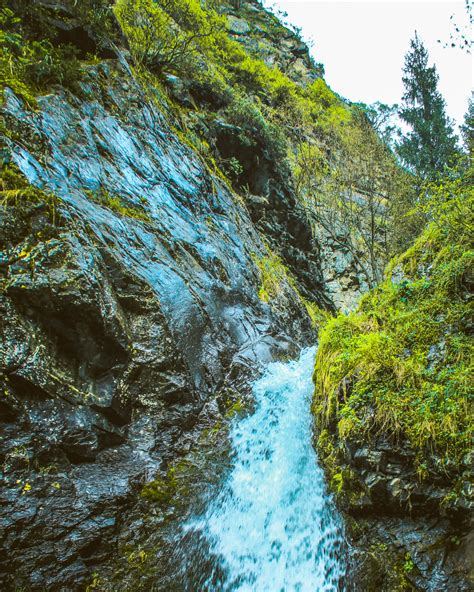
{"x":343,"y":482}
{"x":408,"y":565}
{"x":28,"y":65}
{"x":95,"y":584}
{"x":17,"y":192}
{"x":117,"y":205}
{"x":402,"y":363}
{"x":137,"y":557}
{"x":170,"y":489}
{"x":319,"y":317}
{"x":274,"y":276}
{"x":236,"y":408}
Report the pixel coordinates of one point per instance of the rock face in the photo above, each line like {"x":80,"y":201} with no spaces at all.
{"x":407,"y":491}
{"x":122,"y":317}
{"x":401,"y":540}
{"x":130,"y":322}
{"x":343,"y":282}
{"x":264,"y":36}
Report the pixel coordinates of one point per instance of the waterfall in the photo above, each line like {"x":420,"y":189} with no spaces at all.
{"x":273,"y":526}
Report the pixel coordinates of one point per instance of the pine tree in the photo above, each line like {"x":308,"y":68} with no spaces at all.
{"x":430,"y":144}
{"x":467,"y":129}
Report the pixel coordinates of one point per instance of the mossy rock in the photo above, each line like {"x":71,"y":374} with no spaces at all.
{"x":402,"y":363}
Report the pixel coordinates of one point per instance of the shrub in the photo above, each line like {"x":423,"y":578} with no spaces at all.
{"x":29,"y":66}
{"x":166,"y":35}
{"x":256,"y":128}
{"x":328,"y":111}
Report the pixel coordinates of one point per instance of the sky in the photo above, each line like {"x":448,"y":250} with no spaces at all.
{"x":362,"y":45}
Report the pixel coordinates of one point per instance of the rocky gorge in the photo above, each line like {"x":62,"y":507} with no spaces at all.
{"x":155,"y":258}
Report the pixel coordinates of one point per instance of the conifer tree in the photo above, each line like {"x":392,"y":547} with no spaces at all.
{"x":467,"y":129}
{"x":430,"y":144}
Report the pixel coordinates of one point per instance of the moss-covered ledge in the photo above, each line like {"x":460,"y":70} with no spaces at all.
{"x":393,"y":395}
{"x":400,"y":367}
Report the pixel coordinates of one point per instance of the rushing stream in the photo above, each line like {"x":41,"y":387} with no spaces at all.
{"x":272,"y":526}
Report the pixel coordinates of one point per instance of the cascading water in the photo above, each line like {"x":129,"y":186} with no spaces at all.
{"x":273,"y":527}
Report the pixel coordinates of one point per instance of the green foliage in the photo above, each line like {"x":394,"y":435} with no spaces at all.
{"x":318,"y":316}
{"x":30,"y":66}
{"x":167,"y":34}
{"x":16,"y":191}
{"x":117,"y":205}
{"x":403,"y":362}
{"x":431,"y":144}
{"x":191,"y":37}
{"x":233,"y":168}
{"x":171,"y":488}
{"x":467,"y":129}
{"x":326,"y":108}
{"x":382,"y":117}
{"x":352,"y":187}
{"x":274,"y":276}
{"x":248,"y":114}
{"x":443,"y":201}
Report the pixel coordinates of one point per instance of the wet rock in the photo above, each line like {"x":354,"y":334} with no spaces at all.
{"x":120,"y":325}
{"x":406,"y":531}
{"x":179,"y":90}
{"x":365,"y":457}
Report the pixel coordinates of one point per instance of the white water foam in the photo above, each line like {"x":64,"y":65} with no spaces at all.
{"x":273,"y":525}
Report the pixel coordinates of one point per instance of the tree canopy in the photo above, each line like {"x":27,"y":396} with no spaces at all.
{"x":430,"y":145}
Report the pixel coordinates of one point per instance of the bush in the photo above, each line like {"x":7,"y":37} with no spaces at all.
{"x":166,"y":35}
{"x":29,"y":66}
{"x":328,"y":111}
{"x":256,"y":128}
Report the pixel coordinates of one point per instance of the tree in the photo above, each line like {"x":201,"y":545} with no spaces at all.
{"x":467,"y":129}
{"x":352,"y":187}
{"x":383,"y":119}
{"x":430,"y":144}
{"x":461,"y":37}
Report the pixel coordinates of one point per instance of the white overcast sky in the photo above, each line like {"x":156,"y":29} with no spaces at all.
{"x":362,"y":45}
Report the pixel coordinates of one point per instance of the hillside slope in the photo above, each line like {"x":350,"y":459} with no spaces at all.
{"x":393,"y":407}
